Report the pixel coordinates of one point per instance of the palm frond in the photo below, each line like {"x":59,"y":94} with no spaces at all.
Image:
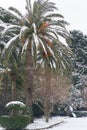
{"x":8,"y":17}
{"x":10,"y":28}
{"x":16,"y":11}
{"x":9,"y":47}
{"x":53,"y":33}
{"x":54,"y":15}
{"x":29,"y":7}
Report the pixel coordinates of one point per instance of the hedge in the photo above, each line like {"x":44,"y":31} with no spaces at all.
{"x":13,"y":123}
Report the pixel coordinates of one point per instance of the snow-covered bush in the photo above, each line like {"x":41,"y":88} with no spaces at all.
{"x":16,"y":119}
{"x":15,"y":105}
{"x":15,"y":108}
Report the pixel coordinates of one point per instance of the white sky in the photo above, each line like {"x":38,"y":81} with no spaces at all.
{"x":74,"y":11}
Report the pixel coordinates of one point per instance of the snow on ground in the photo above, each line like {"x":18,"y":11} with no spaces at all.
{"x":2,"y":128}
{"x":68,"y":123}
{"x":73,"y":124}
{"x":41,"y":123}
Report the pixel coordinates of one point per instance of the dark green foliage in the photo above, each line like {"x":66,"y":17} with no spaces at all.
{"x":37,"y":112}
{"x":81,"y":113}
{"x":79,"y":48}
{"x":59,"y":109}
{"x":2,"y":109}
{"x":16,"y":120}
{"x":29,"y":112}
{"x":13,"y":123}
{"x":5,"y":93}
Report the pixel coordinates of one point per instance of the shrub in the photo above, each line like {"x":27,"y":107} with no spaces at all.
{"x":37,"y":111}
{"x":13,"y":123}
{"x":81,"y":113}
{"x":15,"y":107}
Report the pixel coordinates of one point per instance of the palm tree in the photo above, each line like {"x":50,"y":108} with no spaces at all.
{"x":37,"y":32}
{"x":13,"y":61}
{"x":12,"y":68}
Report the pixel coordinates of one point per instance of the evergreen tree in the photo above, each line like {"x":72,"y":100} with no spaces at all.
{"x":79,"y":48}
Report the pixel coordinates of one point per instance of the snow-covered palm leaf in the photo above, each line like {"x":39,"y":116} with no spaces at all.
{"x":8,"y":17}
{"x":23,"y":32}
{"x":16,"y":11}
{"x":29,"y":8}
{"x":10,"y":28}
{"x":44,"y":62}
{"x":60,"y":62}
{"x":9,"y":47}
{"x":12,"y":42}
{"x":36,"y":41}
{"x":48,"y":46}
{"x":62,"y":33}
{"x":53,"y":33}
{"x":36,"y":9}
{"x":3,"y":26}
{"x":25,"y":46}
{"x":57,"y":23}
{"x":43,"y":46}
{"x":48,"y":6}
{"x":63,"y":56}
{"x":40,"y":10}
{"x":52,"y":36}
{"x":54,"y":15}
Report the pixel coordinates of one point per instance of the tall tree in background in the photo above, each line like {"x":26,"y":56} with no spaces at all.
{"x":79,"y":47}
{"x":37,"y":32}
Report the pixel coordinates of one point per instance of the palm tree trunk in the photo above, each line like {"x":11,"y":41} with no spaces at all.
{"x":13,"y":90}
{"x":29,"y":82}
{"x":47,"y":94}
{"x":13,"y":79}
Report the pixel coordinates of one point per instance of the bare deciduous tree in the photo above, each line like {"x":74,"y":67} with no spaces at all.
{"x":49,"y":89}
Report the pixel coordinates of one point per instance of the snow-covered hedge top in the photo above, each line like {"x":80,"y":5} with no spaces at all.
{"x":17,"y":105}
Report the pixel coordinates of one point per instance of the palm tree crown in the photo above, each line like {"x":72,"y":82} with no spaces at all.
{"x":39,"y":31}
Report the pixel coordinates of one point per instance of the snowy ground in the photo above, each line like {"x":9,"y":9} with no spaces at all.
{"x":68,"y":123}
